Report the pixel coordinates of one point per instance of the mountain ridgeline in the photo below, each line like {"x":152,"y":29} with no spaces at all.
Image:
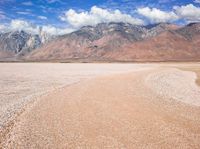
{"x":107,"y":42}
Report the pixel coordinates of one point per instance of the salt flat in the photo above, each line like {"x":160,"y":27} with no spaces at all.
{"x":22,"y":82}
{"x":100,"y":105}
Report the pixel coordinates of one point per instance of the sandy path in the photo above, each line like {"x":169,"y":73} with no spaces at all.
{"x":117,"y":111}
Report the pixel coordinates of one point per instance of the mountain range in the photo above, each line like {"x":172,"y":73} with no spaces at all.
{"x":107,"y":42}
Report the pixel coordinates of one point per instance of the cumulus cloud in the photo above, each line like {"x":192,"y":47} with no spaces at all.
{"x":75,"y":19}
{"x":97,"y":15}
{"x":18,"y":24}
{"x":23,"y":25}
{"x":2,"y":28}
{"x":56,"y":31}
{"x":155,"y":15}
{"x":188,"y":12}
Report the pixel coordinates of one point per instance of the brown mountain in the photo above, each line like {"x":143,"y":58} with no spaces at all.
{"x":181,"y":44}
{"x":123,"y":42}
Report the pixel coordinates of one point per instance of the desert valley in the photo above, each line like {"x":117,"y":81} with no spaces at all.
{"x":103,"y":74}
{"x":52,"y":105}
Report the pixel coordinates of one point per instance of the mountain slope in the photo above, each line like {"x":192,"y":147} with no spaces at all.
{"x":168,"y":46}
{"x":106,"y":42}
{"x":125,"y":42}
{"x":17,"y":43}
{"x":181,"y":44}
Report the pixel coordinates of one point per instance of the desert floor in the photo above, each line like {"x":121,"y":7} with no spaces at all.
{"x":45,"y":105}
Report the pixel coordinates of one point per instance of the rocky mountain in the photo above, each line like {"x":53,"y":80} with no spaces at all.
{"x":190,"y":31}
{"x":117,"y":42}
{"x":19,"y":43}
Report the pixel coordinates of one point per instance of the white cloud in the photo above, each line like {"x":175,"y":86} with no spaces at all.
{"x":156,"y":15}
{"x":42,"y":17}
{"x":197,"y":1}
{"x":2,"y":28}
{"x":23,"y":25}
{"x":97,"y":15}
{"x":56,"y":31}
{"x":34,"y":29}
{"x":188,"y":12}
{"x":24,"y":13}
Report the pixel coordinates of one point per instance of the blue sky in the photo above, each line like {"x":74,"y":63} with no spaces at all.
{"x":30,"y":10}
{"x":66,"y":13}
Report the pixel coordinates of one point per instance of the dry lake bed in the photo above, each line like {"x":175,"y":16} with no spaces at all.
{"x":54,"y":105}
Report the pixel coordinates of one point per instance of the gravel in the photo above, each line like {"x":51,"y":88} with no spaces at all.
{"x":22,"y":83}
{"x":176,"y":84}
